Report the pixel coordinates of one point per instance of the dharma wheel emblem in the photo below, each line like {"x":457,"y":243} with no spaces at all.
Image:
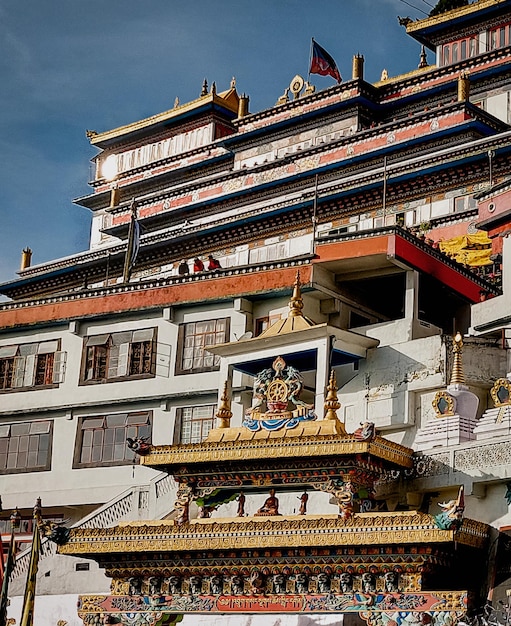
{"x":278,"y":387}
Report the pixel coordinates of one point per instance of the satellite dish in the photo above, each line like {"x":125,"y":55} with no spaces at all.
{"x":247,"y":335}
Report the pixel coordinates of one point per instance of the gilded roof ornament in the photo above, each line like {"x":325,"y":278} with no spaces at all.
{"x":224,"y":412}
{"x":424,"y":59}
{"x":204,"y":90}
{"x":296,"y":302}
{"x":501,"y":392}
{"x":332,"y":404}
{"x":283,"y":98}
{"x":295,"y":319}
{"x":276,"y":387}
{"x":233,"y":83}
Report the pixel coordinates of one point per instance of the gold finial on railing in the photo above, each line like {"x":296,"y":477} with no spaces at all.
{"x":332,"y":404}
{"x":296,"y":302}
{"x":224,"y":412}
{"x":457,"y":376}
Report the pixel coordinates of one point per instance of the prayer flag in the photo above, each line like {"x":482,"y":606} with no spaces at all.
{"x":322,"y":63}
{"x":136,"y":243}
{"x":133,"y":243}
{"x":9,"y":566}
{"x":27,"y":613}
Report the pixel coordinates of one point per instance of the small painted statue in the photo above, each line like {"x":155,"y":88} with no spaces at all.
{"x":241,"y":505}
{"x":270,"y":506}
{"x":303,"y":503}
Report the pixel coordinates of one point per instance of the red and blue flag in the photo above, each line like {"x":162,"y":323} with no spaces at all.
{"x":322,"y":63}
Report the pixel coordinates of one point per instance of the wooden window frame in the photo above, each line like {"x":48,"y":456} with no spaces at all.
{"x":30,"y":437}
{"x":179,"y":370}
{"x":181,"y":421}
{"x":25,"y":366}
{"x":130,"y":430}
{"x":114,"y":357}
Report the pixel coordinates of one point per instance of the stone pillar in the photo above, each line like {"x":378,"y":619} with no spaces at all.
{"x":412,"y":295}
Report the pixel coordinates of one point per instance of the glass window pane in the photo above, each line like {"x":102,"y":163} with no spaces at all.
{"x":7,"y":351}
{"x":118,"y":419}
{"x":87,"y":438}
{"x":11,"y":460}
{"x":108,"y":453}
{"x":27,"y":348}
{"x":98,"y":438}
{"x":39,"y":427}
{"x":97,"y":340}
{"x":143,"y":335}
{"x":141,"y":418}
{"x":44,"y":442}
{"x":119,"y":451}
{"x":46,"y":347}
{"x":92,"y":423}
{"x":109,"y":437}
{"x":42,"y":457}
{"x":20,"y":429}
{"x":120,"y":338}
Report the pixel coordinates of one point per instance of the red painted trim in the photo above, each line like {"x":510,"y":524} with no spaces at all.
{"x":419,"y":259}
{"x":399,"y":248}
{"x":211,"y":288}
{"x":352,"y":248}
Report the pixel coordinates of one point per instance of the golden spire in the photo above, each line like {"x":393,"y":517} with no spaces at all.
{"x":224,"y":412}
{"x":332,"y":404}
{"x":296,"y":302}
{"x":204,"y":90}
{"x":424,"y":59}
{"x":457,"y":376}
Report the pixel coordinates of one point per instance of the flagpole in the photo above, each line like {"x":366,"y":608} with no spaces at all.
{"x":314,"y":218}
{"x":27,"y":612}
{"x":9,"y":567}
{"x":384,"y":204}
{"x":131,"y":235}
{"x":310,"y":61}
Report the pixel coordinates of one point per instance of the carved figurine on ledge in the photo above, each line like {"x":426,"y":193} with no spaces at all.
{"x":270,"y":506}
{"x":241,"y":505}
{"x":303,"y":503}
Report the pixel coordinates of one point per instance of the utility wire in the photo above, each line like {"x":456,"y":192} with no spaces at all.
{"x":414,"y":7}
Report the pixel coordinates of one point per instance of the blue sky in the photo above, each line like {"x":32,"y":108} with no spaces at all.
{"x":71,"y":65}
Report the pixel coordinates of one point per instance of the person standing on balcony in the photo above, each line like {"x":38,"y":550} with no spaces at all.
{"x":198,"y":265}
{"x":214,"y":264}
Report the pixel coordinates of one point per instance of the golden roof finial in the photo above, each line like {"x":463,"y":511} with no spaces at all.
{"x":457,"y":377}
{"x":213,"y":88}
{"x":423,"y":59}
{"x":233,"y":82}
{"x":332,"y":404}
{"x":204,"y":90}
{"x":224,"y":412}
{"x":296,"y":302}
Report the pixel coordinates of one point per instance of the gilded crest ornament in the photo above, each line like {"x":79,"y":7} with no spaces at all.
{"x":501,"y":392}
{"x":278,"y":387}
{"x":444,"y":404}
